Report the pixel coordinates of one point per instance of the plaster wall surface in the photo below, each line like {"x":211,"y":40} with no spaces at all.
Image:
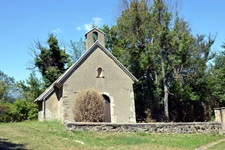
{"x":116,"y":83}
{"x":51,"y":108}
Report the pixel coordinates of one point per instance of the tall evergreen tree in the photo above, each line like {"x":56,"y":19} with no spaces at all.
{"x":219,"y":76}
{"x":30,"y":89}
{"x":51,"y":61}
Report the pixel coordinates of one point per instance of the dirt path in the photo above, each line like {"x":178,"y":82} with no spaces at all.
{"x":205,"y":147}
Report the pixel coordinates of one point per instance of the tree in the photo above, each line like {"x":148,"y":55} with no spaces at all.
{"x":219,"y":76}
{"x":7,"y":88}
{"x":190,"y":102}
{"x":130,"y":40}
{"x":21,"y":110}
{"x":16,"y":99}
{"x":157,"y":46}
{"x":162,"y":19}
{"x":76,"y":50}
{"x":148,"y":36}
{"x":51,"y":61}
{"x":30,"y":89}
{"x":3,"y":91}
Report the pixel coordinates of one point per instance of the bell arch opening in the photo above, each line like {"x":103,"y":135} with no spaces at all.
{"x":95,"y":36}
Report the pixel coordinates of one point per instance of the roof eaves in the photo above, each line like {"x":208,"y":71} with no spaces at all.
{"x":94,"y":29}
{"x":45,"y":94}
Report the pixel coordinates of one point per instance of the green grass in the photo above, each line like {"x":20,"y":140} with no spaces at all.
{"x":52,"y":135}
{"x":219,"y":146}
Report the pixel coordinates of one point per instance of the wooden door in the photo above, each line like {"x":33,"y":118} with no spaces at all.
{"x":107,"y":109}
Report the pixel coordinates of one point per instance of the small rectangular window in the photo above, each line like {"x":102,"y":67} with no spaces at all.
{"x":100,"y":73}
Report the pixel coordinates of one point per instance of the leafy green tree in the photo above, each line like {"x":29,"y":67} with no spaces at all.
{"x":30,"y":89}
{"x":130,"y":45}
{"x":157,"y":46}
{"x":4,"y":112}
{"x":148,"y":49}
{"x":22,"y":110}
{"x":22,"y":106}
{"x":51,"y":61}
{"x":17,"y":111}
{"x":189,"y":101}
{"x":3,"y":91}
{"x":162,"y":43}
{"x":219,"y":77}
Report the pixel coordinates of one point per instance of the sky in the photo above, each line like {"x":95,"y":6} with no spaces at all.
{"x":24,"y":21}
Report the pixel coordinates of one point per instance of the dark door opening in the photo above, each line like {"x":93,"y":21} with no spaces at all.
{"x":107,"y":108}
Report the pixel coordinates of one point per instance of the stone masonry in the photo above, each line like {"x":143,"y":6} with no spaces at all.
{"x":185,"y":128}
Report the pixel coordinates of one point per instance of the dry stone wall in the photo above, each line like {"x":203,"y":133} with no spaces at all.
{"x":195,"y":127}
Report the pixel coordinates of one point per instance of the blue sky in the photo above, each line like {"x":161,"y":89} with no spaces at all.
{"x":23,"y":21}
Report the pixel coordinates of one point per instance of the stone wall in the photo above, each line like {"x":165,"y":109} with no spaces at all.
{"x":194,"y":127}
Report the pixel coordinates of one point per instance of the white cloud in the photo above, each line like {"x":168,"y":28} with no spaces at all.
{"x":97,"y":21}
{"x":79,"y":28}
{"x":57,"y":30}
{"x":88,"y":26}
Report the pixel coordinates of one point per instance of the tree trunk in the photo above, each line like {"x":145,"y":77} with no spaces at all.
{"x":166,"y":109}
{"x":165,"y":86}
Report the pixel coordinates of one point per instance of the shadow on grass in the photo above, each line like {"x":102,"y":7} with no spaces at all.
{"x":7,"y":145}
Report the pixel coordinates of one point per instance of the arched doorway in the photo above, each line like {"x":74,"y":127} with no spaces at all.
{"x":107,"y":108}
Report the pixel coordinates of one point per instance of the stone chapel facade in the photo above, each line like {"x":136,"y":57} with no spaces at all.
{"x":97,"y":68}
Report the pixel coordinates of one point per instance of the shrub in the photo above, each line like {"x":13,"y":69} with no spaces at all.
{"x":20,"y":110}
{"x":88,"y":106}
{"x":4,"y":112}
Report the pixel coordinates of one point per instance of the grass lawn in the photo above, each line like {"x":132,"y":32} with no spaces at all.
{"x":52,"y":135}
{"x":220,"y":146}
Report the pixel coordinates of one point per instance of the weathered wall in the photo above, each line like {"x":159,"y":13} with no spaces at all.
{"x":40,"y":111}
{"x":200,"y":127}
{"x":51,"y":108}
